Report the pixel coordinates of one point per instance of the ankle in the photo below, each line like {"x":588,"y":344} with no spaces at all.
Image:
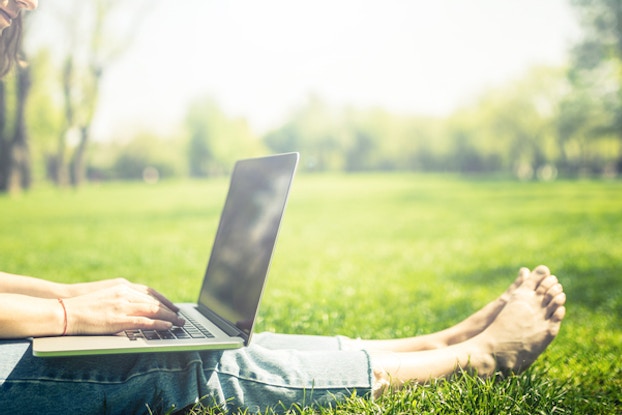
{"x":482,"y":361}
{"x":382,"y":381}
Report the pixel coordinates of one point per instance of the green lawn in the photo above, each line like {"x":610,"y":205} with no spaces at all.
{"x":379,"y":255}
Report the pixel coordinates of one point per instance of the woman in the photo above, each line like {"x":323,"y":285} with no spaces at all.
{"x":275,"y":371}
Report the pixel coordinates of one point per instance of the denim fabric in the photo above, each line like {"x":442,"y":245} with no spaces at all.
{"x":275,"y":371}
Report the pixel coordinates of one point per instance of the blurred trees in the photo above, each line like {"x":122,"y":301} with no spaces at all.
{"x":215,"y":141}
{"x":592,"y":115}
{"x":92,"y":41}
{"x":536,"y":126}
{"x":15,"y":164}
{"x":146,"y":157}
{"x":549,"y":121}
{"x":512,"y":128}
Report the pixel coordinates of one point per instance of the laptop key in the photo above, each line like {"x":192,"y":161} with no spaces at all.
{"x":191,"y":330}
{"x":132,"y":334}
{"x":165,"y":335}
{"x":179,"y":333}
{"x":195,"y":334}
{"x":151,"y":335}
{"x":207,"y":334}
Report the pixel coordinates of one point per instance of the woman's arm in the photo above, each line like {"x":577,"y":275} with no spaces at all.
{"x":34,"y":287}
{"x":23,"y":316}
{"x":31,"y":307}
{"x":37,"y":287}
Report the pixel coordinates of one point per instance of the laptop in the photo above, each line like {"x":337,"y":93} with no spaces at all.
{"x":225,"y":314}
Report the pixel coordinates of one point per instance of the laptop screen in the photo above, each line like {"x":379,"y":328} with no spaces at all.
{"x":246,"y":236}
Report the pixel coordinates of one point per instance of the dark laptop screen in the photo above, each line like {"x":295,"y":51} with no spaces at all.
{"x":245,"y":239}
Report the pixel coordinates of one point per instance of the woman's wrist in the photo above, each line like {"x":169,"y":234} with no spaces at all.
{"x":62,"y":303}
{"x":23,"y":316}
{"x":60,"y":290}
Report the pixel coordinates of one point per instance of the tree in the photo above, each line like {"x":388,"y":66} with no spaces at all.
{"x":511,"y":127}
{"x":6,"y":147}
{"x":147,"y":154}
{"x":596,"y":74}
{"x":317,"y":132}
{"x":15,"y":165}
{"x":215,"y":140}
{"x":94,"y":41}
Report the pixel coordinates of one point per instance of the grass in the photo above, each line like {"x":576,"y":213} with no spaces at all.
{"x":375,"y":255}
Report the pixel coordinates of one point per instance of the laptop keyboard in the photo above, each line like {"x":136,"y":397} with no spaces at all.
{"x":190,"y":330}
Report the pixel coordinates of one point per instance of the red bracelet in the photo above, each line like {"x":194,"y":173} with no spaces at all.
{"x":60,"y":300}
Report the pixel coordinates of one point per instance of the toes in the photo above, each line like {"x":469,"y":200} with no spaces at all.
{"x":553,"y":290}
{"x":554,"y":328}
{"x":546,"y":284}
{"x":559,"y":314}
{"x":555,"y":309}
{"x":541,"y":272}
{"x":559,"y":299}
{"x":537,"y":276}
{"x":523,"y":275}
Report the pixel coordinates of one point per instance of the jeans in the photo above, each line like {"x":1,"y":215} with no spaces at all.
{"x":276,"y":371}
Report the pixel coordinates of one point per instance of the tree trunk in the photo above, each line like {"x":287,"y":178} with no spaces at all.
{"x":78,"y":167}
{"x":58,"y":166}
{"x":5,"y":147}
{"x":21,"y":171}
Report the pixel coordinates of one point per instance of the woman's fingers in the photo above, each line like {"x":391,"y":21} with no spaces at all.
{"x":121,"y":307}
{"x":142,"y":304}
{"x":163,"y":300}
{"x":153,"y":293}
{"x":145,"y":323}
{"x":155,"y":311}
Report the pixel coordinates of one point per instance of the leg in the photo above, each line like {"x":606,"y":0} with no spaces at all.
{"x":300,"y":342}
{"x":462,"y":331}
{"x":511,"y":343}
{"x":116,"y":384}
{"x":253,"y":378}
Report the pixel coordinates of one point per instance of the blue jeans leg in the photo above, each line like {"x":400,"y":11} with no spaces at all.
{"x":276,"y":371}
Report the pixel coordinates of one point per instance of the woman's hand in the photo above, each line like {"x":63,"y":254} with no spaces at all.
{"x":29,"y":307}
{"x":83,"y":288}
{"x":112,"y":306}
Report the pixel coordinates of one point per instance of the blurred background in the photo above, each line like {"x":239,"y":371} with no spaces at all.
{"x":145,"y":90}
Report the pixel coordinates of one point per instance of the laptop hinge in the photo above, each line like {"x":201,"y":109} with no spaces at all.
{"x":225,"y":325}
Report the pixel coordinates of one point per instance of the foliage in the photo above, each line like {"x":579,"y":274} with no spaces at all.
{"x":147,"y":151}
{"x":594,"y":111}
{"x":511,"y":127}
{"x":516,"y":127}
{"x":215,"y":140}
{"x":89,"y":40}
{"x":15,"y":165}
{"x":539,"y":124}
{"x":371,"y":255}
{"x":45,"y":117}
{"x":563,"y":121}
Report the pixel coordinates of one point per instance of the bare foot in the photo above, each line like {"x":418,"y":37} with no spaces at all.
{"x":518,"y":334}
{"x":466,"y":329}
{"x":524,"y":328}
{"x":481,"y":319}
{"x":478,"y":321}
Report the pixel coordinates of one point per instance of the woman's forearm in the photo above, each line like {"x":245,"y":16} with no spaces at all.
{"x":30,"y":286}
{"x":30,"y":307}
{"x":23,"y":316}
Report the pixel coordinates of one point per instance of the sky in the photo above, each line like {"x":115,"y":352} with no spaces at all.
{"x":261,"y":60}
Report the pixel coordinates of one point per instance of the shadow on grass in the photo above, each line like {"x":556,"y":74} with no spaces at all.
{"x":598,"y":289}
